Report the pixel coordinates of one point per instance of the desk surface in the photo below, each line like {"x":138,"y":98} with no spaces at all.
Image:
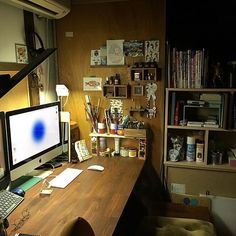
{"x":98,"y":197}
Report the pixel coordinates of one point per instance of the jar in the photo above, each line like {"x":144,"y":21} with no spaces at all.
{"x":120,"y":130}
{"x":124,"y":151}
{"x":101,"y":128}
{"x":113,"y":128}
{"x":132,"y":152}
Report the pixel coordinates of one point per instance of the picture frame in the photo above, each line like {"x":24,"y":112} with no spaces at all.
{"x":21,"y":53}
{"x":92,"y":84}
{"x":115,"y":54}
{"x":137,"y":90}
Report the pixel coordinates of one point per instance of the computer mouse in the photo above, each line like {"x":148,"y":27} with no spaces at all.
{"x":96,"y":167}
{"x":18,"y":191}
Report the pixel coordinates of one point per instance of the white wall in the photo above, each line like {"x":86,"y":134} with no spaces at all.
{"x":12,"y":31}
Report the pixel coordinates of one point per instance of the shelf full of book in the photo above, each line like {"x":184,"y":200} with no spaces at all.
{"x":207,"y":117}
{"x":187,"y":68}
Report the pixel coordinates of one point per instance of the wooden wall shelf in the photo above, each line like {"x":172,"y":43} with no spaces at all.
{"x":116,"y":91}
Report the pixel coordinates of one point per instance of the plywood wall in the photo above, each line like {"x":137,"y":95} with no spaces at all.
{"x":92,"y":25}
{"x":17,"y":97}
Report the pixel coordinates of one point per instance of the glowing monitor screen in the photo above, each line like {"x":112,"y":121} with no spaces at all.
{"x":34,"y":137}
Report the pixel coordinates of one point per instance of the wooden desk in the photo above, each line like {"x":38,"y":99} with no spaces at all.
{"x":98,"y":197}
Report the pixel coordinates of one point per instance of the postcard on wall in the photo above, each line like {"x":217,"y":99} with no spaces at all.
{"x":115,"y":55}
{"x":21,"y":53}
{"x":152,"y":51}
{"x":103,"y":55}
{"x":95,"y":58}
{"x":134,"y":48}
{"x":92,"y":84}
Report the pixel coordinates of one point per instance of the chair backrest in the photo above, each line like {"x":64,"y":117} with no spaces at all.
{"x":77,"y":227}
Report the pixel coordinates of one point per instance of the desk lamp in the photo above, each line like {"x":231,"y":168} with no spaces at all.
{"x":63,"y":91}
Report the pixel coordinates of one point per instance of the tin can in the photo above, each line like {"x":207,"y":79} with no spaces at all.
{"x":190,"y":156}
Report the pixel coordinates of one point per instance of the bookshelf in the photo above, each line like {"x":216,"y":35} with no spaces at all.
{"x":216,"y":139}
{"x":194,"y":48}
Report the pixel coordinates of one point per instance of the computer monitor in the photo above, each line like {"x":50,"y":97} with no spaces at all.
{"x":34,"y":137}
{"x":4,"y":167}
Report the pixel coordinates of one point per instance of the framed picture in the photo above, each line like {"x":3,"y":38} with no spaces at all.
{"x":137,"y":90}
{"x":115,"y":55}
{"x":21,"y":53}
{"x":92,"y":84}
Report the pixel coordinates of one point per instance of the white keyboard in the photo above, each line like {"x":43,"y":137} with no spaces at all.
{"x":65,"y":177}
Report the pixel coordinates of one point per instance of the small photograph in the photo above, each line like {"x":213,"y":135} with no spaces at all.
{"x":21,"y":53}
{"x":95,"y":57}
{"x":134,"y":48}
{"x":152,"y":51}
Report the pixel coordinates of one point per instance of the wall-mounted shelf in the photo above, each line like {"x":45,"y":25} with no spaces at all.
{"x":145,"y":74}
{"x":138,"y":135}
{"x":116,"y":91}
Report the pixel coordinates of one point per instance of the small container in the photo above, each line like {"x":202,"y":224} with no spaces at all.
{"x":124,"y":151}
{"x":117,"y":146}
{"x":101,"y":128}
{"x":120,"y":130}
{"x":102,"y":144}
{"x":199,"y":152}
{"x":132,"y":152}
{"x":113,"y":128}
{"x":190,"y":155}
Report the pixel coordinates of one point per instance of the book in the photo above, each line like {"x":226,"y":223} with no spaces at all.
{"x":172,"y":112}
{"x":196,"y":102}
{"x":177,"y":111}
{"x":211,"y":125}
{"x":195,"y":123}
{"x":82,"y":150}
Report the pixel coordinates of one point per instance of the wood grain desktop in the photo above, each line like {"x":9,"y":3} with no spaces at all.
{"x":98,"y":197}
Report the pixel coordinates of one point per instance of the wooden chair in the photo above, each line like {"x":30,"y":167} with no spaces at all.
{"x":77,"y":227}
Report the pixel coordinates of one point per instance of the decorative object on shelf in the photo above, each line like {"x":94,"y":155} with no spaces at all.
{"x":199,"y":151}
{"x":95,"y":57}
{"x":92,"y":84}
{"x":217,"y":80}
{"x":133,"y":48}
{"x":152,"y":51}
{"x":116,"y":108}
{"x":151,"y":89}
{"x":21,"y":53}
{"x":115,"y":55}
{"x":177,"y":152}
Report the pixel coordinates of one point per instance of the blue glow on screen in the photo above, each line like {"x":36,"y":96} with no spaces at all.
{"x":38,"y":131}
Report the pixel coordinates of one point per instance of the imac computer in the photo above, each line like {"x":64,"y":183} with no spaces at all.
{"x":4,"y":167}
{"x":34,"y":137}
